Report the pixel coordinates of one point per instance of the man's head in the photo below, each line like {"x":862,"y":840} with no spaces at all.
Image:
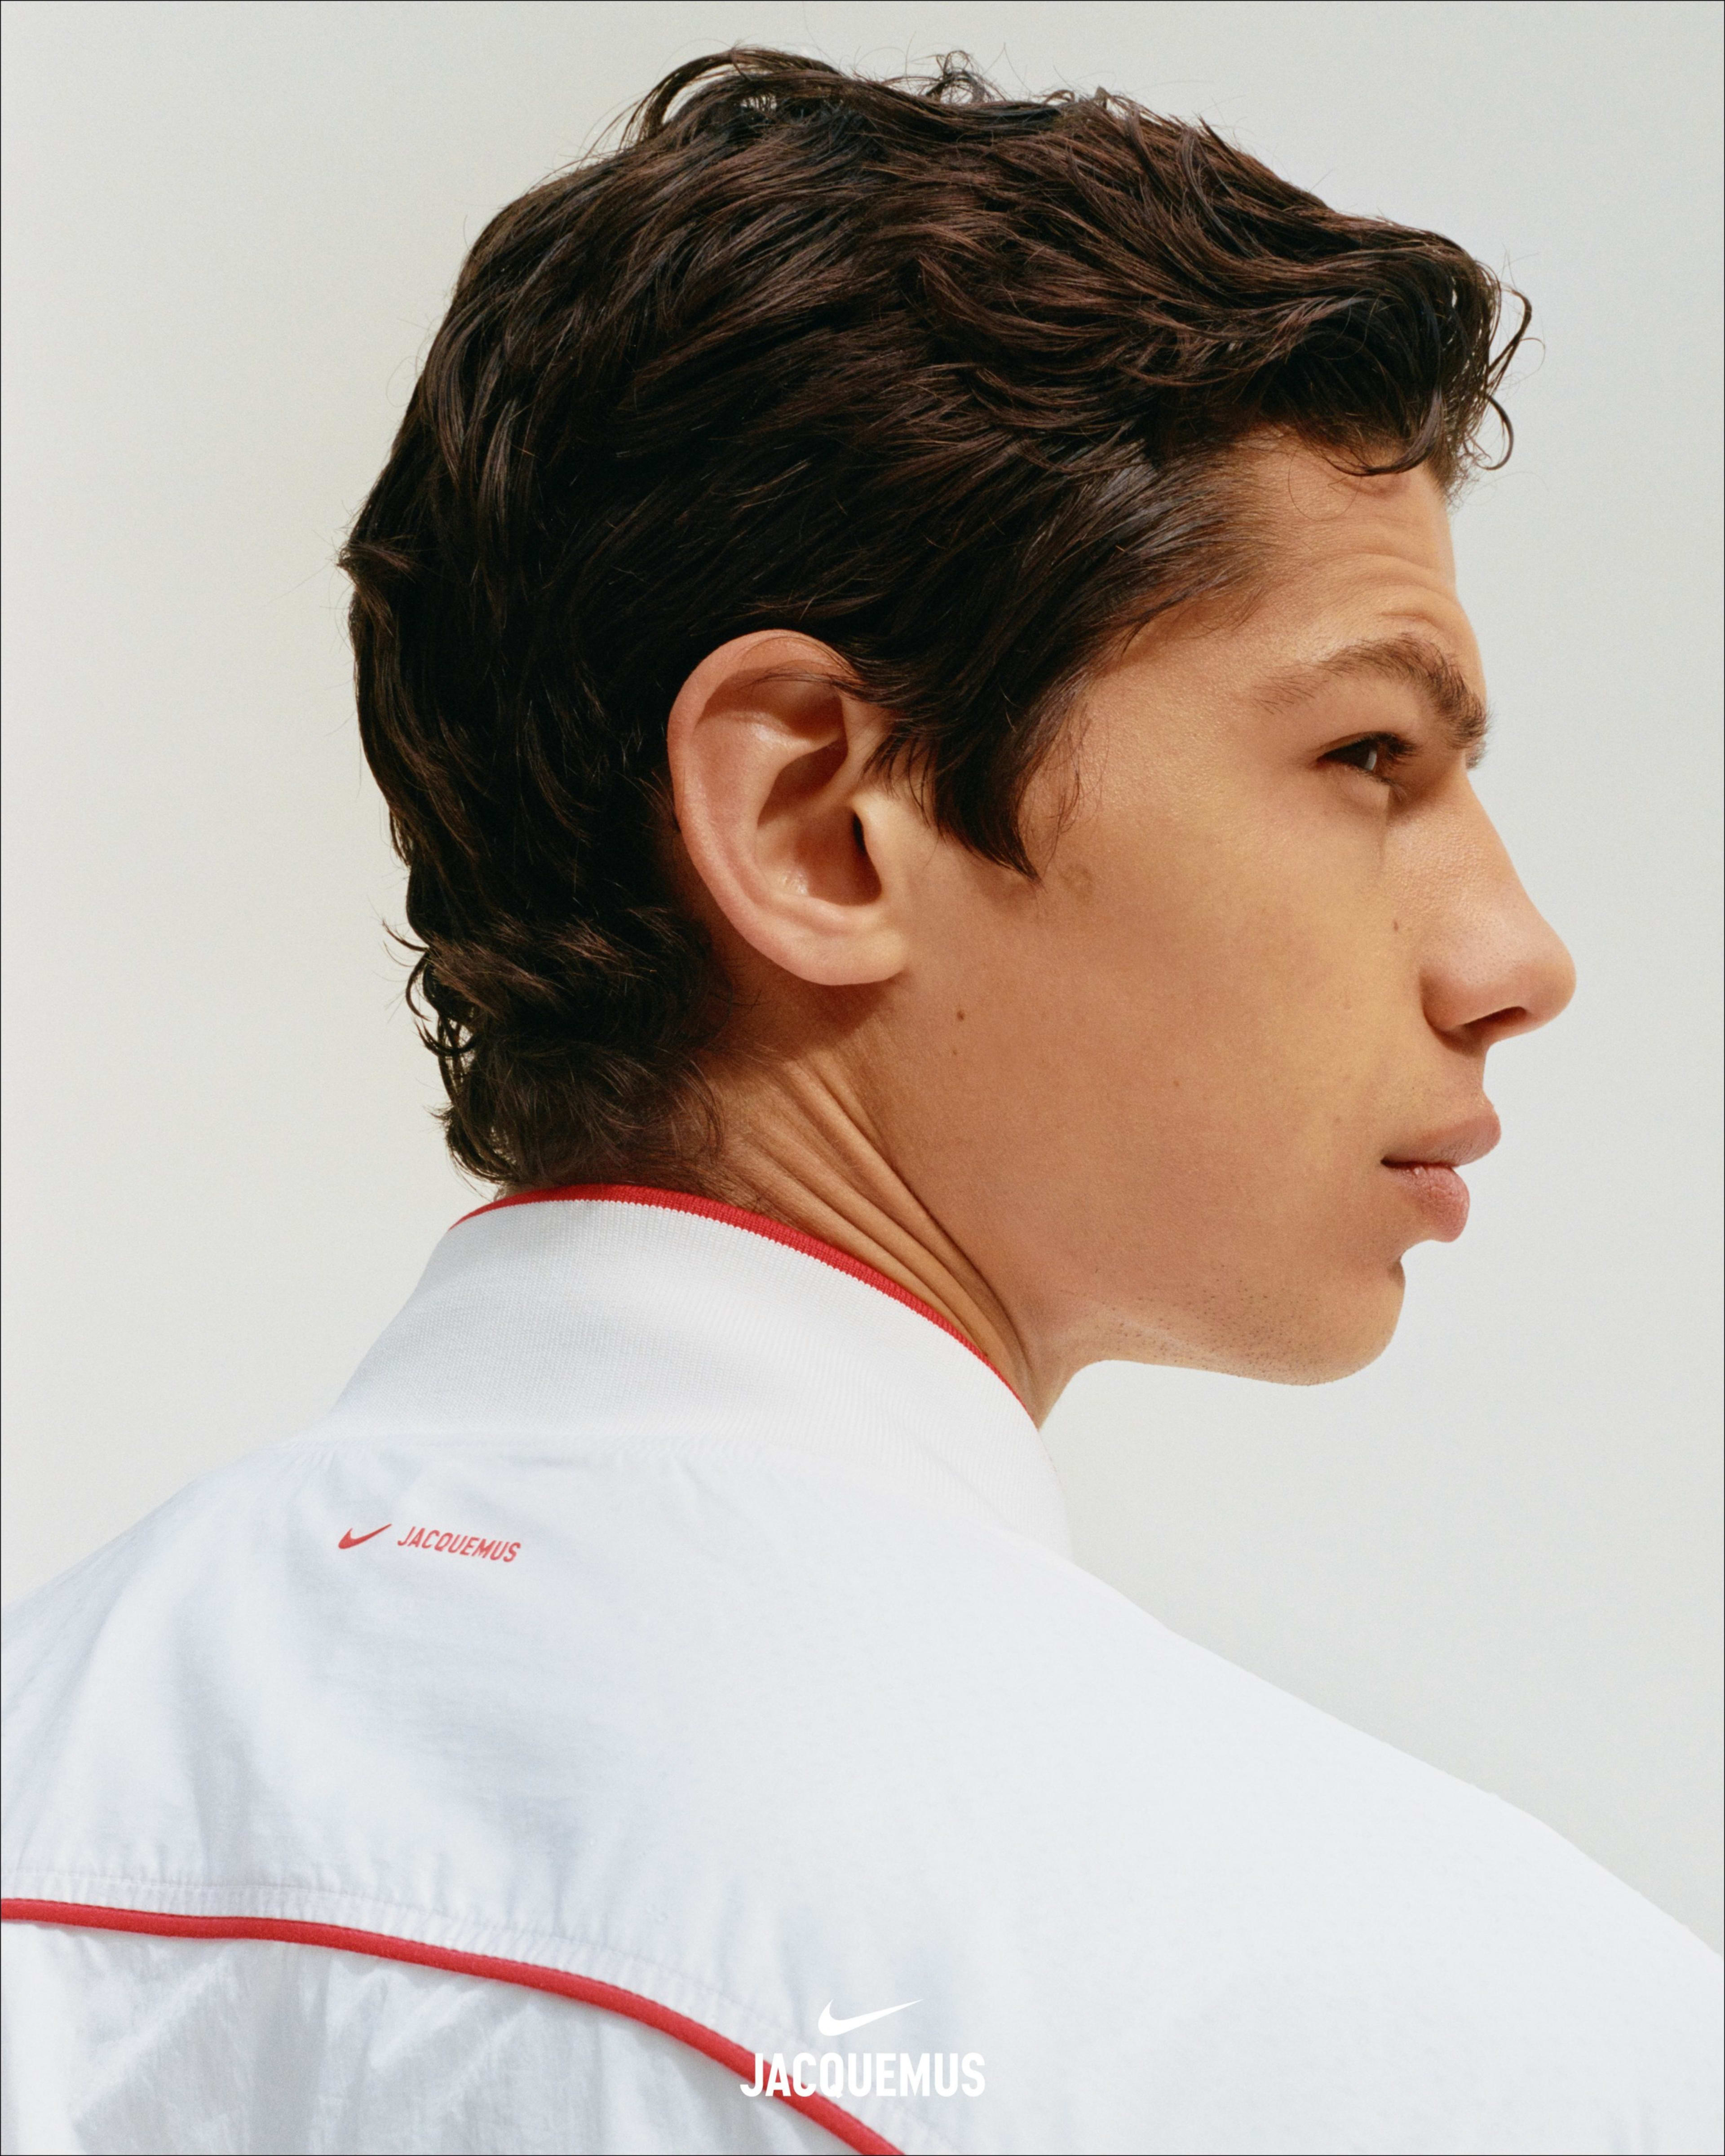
{"x":937,"y":614}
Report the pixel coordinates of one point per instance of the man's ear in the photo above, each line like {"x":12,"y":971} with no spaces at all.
{"x":800,"y":844}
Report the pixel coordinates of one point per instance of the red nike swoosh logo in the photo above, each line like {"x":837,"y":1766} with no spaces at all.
{"x":353,"y":1541}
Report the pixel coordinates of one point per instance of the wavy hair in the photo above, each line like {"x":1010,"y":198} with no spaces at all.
{"x":945,"y":379}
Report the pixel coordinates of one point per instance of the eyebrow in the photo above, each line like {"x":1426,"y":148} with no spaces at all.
{"x":1418,"y":664}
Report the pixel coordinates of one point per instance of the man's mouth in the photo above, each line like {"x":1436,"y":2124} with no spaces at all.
{"x":1426,"y":1170}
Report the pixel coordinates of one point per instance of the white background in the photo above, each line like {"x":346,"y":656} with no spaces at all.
{"x":230,"y":231}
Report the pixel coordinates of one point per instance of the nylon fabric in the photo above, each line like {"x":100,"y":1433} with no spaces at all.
{"x":788,"y":1697}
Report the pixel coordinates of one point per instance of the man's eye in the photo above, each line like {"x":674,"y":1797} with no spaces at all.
{"x":1377,"y":755}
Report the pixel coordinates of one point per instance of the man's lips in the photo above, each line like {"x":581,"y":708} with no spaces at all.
{"x":1426,"y":1170}
{"x":1454,"y":1146}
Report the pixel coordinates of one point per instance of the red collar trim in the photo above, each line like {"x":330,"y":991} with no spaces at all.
{"x":757,"y":1223}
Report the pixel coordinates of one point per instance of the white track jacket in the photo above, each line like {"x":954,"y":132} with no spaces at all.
{"x":662,"y":1676}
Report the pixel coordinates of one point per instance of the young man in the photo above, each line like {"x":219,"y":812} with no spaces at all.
{"x":911,"y":646}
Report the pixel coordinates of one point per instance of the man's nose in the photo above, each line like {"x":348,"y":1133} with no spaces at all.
{"x":1495,"y":967}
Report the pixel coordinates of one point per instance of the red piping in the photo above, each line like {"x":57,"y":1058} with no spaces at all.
{"x":758,"y":1223}
{"x":385,"y":1948}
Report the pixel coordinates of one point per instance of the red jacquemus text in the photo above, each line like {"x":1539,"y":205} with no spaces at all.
{"x":434,"y":1539}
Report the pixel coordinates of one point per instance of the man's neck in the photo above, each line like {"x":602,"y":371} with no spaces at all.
{"x":798,"y":1146}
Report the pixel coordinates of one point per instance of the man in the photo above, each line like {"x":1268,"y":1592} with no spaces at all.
{"x":911,"y":646}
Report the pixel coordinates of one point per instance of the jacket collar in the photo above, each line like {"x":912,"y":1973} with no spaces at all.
{"x":641,"y":1315}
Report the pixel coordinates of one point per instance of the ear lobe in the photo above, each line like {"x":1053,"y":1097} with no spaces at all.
{"x":779,"y":812}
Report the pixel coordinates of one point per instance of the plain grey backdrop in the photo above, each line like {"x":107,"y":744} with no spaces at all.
{"x":230,"y":229}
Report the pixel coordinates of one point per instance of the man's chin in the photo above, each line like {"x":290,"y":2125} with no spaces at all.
{"x":1333,"y":1338}
{"x":1336,"y":1327}
{"x":1356,"y":1331}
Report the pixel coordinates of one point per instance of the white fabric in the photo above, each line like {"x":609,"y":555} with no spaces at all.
{"x":118,"y":2042}
{"x":789,"y":1698}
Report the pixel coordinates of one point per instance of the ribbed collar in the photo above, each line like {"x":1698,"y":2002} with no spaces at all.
{"x":640,"y":1315}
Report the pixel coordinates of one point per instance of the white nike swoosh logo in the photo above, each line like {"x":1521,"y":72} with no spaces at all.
{"x":829,"y":2026}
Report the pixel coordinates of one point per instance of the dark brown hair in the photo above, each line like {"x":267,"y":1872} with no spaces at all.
{"x":945,"y":380}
